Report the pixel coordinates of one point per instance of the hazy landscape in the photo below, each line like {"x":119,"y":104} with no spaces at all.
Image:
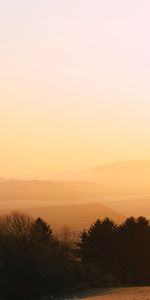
{"x":74,"y":150}
{"x":117,"y":190}
{"x":71,"y":205}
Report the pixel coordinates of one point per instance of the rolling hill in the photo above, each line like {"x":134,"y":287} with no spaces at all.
{"x":122,"y":187}
{"x":123,"y":177}
{"x":76,"y":216}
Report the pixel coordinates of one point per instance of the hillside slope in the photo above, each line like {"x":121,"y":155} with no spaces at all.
{"x":77,"y":216}
{"x":124,"y":177}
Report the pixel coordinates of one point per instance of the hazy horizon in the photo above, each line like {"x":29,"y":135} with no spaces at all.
{"x":75,"y":174}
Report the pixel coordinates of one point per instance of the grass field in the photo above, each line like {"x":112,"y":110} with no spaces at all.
{"x":134,"y":293}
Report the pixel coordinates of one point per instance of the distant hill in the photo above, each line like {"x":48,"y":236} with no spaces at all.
{"x":123,"y":187}
{"x":77,"y":216}
{"x":131,"y":177}
{"x":60,"y":203}
{"x":43,"y":193}
{"x":126,"y":177}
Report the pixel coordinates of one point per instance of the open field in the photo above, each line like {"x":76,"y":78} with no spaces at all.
{"x":133,"y":293}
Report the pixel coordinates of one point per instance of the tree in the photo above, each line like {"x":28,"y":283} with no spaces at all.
{"x":16,"y":226}
{"x":134,"y":250}
{"x":41,"y":231}
{"x":97,"y":245}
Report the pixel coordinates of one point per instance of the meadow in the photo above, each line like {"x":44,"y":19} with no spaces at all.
{"x":132,"y":293}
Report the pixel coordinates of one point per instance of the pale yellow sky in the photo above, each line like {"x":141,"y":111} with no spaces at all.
{"x":75,"y":88}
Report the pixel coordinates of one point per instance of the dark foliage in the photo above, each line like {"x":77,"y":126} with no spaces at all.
{"x":120,"y":252}
{"x":34,"y":263}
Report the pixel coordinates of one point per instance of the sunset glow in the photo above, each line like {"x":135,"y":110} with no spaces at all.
{"x":75,"y":89}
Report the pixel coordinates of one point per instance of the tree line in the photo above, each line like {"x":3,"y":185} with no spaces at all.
{"x":34,"y":262}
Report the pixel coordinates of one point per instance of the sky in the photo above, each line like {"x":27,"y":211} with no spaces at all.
{"x":74,"y":84}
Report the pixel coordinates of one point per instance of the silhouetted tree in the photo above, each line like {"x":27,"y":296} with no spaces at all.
{"x":16,"y":226}
{"x":41,"y":231}
{"x":33,"y":262}
{"x":134,"y":250}
{"x":97,"y":245}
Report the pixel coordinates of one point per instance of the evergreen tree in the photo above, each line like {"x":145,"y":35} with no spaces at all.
{"x":97,"y":245}
{"x":41,"y":231}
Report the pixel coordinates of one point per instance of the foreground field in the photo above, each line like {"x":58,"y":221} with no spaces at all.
{"x":135,"y":293}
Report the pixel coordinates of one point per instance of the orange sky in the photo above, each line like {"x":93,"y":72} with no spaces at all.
{"x":74,"y":84}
